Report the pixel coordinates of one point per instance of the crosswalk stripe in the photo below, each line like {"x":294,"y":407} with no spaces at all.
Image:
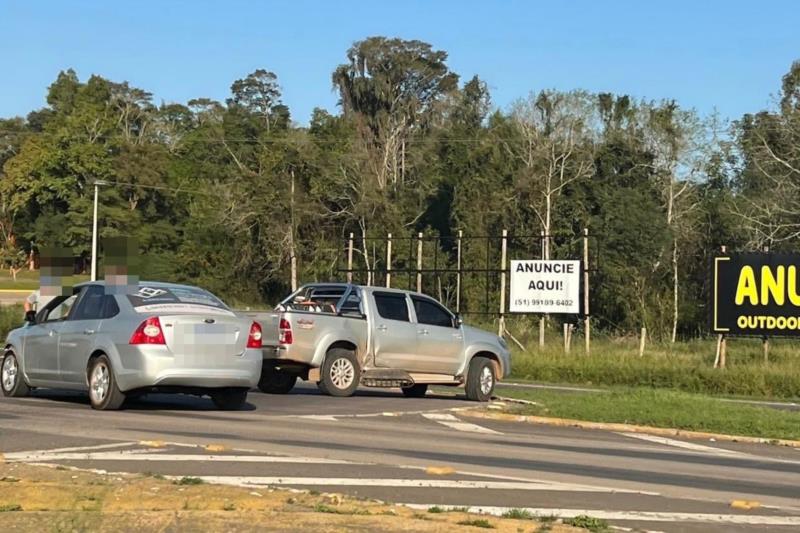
{"x":141,"y":456}
{"x":454,"y":423}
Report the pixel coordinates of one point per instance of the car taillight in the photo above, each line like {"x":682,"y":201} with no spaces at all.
{"x":148,"y":332}
{"x":254,"y":340}
{"x":285,"y":332}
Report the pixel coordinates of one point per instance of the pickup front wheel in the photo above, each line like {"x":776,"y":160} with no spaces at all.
{"x":480,"y":380}
{"x":340,"y":373}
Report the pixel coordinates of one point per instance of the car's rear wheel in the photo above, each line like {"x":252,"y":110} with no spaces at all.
{"x":274,"y":381}
{"x":229,"y":399}
{"x":415,"y":391}
{"x":340,"y":373}
{"x":480,"y":379}
{"x":11,"y":378}
{"x":104,"y":393}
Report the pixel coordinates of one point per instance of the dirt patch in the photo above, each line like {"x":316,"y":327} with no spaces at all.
{"x":42,"y":498}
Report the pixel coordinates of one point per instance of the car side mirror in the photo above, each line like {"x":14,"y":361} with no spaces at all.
{"x":30,"y":317}
{"x":459,"y":321}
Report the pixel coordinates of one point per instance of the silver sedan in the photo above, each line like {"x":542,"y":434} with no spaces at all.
{"x":117,"y":343}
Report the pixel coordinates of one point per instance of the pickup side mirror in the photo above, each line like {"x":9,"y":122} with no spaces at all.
{"x":458,"y":321}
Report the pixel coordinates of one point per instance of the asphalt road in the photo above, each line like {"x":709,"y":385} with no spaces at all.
{"x":381,"y":445}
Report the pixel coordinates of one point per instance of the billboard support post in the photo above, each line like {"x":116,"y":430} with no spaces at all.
{"x":419,"y":262}
{"x":719,"y":360}
{"x":501,"y":327}
{"x":543,"y":318}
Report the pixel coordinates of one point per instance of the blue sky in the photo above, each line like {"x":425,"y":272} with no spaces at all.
{"x":728,"y":55}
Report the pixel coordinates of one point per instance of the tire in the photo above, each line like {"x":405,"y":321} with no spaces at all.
{"x":273,"y":381}
{"x":480,"y":380}
{"x":340,"y":373}
{"x":11,"y":379}
{"x":415,"y":391}
{"x":229,"y":399}
{"x":104,"y":394}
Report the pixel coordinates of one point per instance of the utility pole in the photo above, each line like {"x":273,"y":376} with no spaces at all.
{"x":97,"y":184}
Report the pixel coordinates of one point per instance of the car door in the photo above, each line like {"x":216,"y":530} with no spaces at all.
{"x":40,"y":347}
{"x":395,"y":336}
{"x":440,"y":341}
{"x":76,"y":334}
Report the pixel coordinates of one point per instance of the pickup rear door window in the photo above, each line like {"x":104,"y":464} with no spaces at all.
{"x":430,"y":313}
{"x":392,"y":306}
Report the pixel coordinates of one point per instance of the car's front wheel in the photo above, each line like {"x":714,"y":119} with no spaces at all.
{"x":11,"y":378}
{"x":229,"y":399}
{"x":104,"y":393}
{"x":417,"y":390}
{"x":274,"y":381}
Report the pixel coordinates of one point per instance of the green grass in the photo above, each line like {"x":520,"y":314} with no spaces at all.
{"x":10,"y":507}
{"x":27,"y":280}
{"x":478,"y":522}
{"x":519,"y":514}
{"x":188,"y":480}
{"x":661,"y":408}
{"x":685,"y":366}
{"x":595,"y":525}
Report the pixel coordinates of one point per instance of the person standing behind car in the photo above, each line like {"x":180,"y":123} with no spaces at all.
{"x":56,"y":264}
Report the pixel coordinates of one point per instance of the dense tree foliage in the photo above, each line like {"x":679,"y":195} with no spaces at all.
{"x":236,"y":197}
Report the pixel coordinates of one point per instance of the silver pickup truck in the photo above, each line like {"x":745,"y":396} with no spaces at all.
{"x":343,"y":335}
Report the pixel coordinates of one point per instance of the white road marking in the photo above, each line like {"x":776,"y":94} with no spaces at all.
{"x":330,"y":418}
{"x":77,"y":448}
{"x":644,"y":516}
{"x":249,"y":481}
{"x":700,"y":448}
{"x":141,"y":455}
{"x":452,"y":422}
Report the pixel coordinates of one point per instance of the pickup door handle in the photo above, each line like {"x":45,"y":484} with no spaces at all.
{"x":457,"y":336}
{"x":88,"y":332}
{"x":382,"y":327}
{"x":423,"y":332}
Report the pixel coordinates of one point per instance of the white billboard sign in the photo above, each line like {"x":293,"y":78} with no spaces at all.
{"x":545,"y":286}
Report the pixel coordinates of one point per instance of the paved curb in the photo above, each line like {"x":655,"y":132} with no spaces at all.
{"x":629,"y":428}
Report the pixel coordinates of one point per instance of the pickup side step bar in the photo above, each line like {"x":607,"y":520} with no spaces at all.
{"x":388,"y":377}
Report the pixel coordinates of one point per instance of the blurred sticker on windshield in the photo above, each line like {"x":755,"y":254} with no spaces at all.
{"x":182,"y":308}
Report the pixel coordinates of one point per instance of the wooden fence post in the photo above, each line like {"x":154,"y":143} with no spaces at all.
{"x":503,"y":250}
{"x":586,"y":324}
{"x":765,"y":347}
{"x":389,"y":260}
{"x":642,"y":340}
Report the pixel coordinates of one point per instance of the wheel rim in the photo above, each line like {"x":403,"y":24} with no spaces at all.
{"x":342,"y":373}
{"x":487,"y":380}
{"x":99,"y":382}
{"x":10,"y":371}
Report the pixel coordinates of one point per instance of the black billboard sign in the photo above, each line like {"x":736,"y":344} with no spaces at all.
{"x":756,"y":293}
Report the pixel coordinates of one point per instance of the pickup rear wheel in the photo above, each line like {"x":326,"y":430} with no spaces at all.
{"x":274,"y":381}
{"x":415,"y":391}
{"x":480,"y":380}
{"x":340,"y":373}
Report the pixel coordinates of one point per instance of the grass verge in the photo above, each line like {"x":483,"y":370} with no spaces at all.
{"x":660,"y":408}
{"x":49,"y":499}
{"x":685,"y":366}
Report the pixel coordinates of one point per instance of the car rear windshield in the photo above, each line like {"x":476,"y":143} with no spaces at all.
{"x":155,"y":294}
